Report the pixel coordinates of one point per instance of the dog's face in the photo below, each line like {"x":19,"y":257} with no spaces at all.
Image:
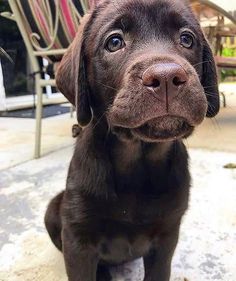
{"x":145,"y":65}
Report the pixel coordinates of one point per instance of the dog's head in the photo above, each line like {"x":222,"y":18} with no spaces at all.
{"x":143,"y":64}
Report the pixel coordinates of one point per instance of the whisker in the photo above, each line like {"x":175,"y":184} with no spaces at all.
{"x":211,"y":94}
{"x":186,"y":143}
{"x":211,"y":86}
{"x":230,"y":107}
{"x":211,"y":107}
{"x":106,"y":86}
{"x":215,"y":124}
{"x":214,"y":121}
{"x":175,"y":148}
{"x":207,"y":61}
{"x":99,"y":120}
{"x":108,"y":129}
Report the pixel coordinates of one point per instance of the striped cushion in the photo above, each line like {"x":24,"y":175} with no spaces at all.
{"x":40,"y":17}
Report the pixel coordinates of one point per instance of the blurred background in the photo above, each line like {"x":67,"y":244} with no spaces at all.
{"x":36,"y":142}
{"x":35,"y":34}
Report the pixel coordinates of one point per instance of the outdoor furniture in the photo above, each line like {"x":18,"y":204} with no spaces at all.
{"x":226,"y":63}
{"x":2,"y":90}
{"x":47,"y":28}
{"x":202,"y":7}
{"x":218,"y":24}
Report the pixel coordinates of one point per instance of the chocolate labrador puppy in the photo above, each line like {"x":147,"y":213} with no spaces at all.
{"x":142,"y":77}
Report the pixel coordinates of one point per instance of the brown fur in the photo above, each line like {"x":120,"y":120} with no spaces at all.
{"x":128,"y":181}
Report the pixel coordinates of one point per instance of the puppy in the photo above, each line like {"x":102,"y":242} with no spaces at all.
{"x":142,"y":76}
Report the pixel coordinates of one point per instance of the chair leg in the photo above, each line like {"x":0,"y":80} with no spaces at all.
{"x":72,"y":109}
{"x":224,"y":99}
{"x":38,"y":133}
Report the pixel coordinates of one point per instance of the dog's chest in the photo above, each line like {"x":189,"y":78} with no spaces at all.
{"x":121,"y":249}
{"x":129,"y":230}
{"x":138,"y":209}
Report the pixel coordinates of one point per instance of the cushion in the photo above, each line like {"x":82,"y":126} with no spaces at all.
{"x":40,"y":18}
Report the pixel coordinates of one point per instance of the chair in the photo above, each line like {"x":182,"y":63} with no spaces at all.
{"x":47,"y":28}
{"x":219,"y":25}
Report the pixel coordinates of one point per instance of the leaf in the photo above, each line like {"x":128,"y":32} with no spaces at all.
{"x":230,"y":166}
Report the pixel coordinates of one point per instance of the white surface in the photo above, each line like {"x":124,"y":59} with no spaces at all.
{"x":206,"y":249}
{"x":2,"y":91}
{"x":27,"y":101}
{"x":228,"y":5}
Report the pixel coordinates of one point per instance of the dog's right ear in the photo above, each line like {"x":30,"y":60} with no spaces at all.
{"x":71,"y":76}
{"x":209,"y":80}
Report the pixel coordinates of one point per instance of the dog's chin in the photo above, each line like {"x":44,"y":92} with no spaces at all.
{"x":161,"y":129}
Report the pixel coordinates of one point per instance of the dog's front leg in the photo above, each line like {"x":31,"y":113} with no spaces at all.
{"x":157,"y":263}
{"x":80,"y":260}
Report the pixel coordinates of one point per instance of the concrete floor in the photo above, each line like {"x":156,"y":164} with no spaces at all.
{"x":218,"y":133}
{"x":17,"y":138}
{"x":206,"y":250}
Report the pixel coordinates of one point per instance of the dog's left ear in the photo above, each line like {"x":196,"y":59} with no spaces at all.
{"x":72,"y":75}
{"x":82,"y":97}
{"x":209,"y":80}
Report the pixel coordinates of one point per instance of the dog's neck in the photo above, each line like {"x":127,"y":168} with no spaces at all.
{"x":126,"y":152}
{"x":132,"y":164}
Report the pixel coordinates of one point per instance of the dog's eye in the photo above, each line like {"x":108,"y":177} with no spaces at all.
{"x":186,"y":40}
{"x":115,"y":43}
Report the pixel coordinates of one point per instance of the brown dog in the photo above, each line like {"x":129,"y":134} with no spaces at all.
{"x":142,"y":76}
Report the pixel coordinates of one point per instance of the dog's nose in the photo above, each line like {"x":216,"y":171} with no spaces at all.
{"x":165,"y":79}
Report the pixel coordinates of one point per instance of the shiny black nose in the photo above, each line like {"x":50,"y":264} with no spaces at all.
{"x":165,"y":79}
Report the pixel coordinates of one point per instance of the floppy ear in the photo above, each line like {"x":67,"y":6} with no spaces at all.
{"x":71,"y":77}
{"x":210,"y":81}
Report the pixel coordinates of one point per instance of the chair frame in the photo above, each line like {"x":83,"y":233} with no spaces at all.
{"x":34,"y":52}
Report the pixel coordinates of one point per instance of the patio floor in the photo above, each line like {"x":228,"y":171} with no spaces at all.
{"x":207,"y":242}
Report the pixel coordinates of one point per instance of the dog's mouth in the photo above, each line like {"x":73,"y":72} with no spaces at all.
{"x":166,"y":128}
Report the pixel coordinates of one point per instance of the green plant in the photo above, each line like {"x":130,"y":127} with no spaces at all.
{"x":228,"y":52}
